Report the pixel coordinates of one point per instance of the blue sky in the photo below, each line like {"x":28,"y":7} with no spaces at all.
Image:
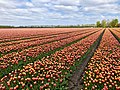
{"x":57,"y":12}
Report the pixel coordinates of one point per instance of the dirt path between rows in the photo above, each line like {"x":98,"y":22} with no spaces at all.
{"x":117,"y":38}
{"x":76,"y":82}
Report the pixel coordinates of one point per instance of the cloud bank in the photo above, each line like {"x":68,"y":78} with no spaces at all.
{"x":57,"y":12}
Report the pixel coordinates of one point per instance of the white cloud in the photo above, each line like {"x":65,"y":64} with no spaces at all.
{"x":68,"y":2}
{"x":57,"y":11}
{"x":7,"y":4}
{"x":41,"y":1}
{"x":105,"y":8}
{"x":29,"y":4}
{"x":103,"y":1}
{"x":98,"y":2}
{"x":66,"y":8}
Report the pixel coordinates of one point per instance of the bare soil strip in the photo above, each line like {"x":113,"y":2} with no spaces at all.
{"x":115,"y":36}
{"x":76,"y":82}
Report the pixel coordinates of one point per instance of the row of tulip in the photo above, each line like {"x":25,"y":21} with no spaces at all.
{"x":7,"y":35}
{"x":25,"y":40}
{"x":37,"y":37}
{"x":38,"y":41}
{"x":8,"y":60}
{"x":117,"y":29}
{"x":50,"y":71}
{"x":103,"y":70}
{"x":116,"y":33}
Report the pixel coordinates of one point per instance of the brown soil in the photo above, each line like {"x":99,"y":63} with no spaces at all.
{"x":76,"y":82}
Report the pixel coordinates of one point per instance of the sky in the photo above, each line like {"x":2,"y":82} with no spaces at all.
{"x":57,"y":12}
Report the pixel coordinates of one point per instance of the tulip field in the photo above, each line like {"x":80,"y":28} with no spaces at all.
{"x":103,"y":70}
{"x":46,"y":58}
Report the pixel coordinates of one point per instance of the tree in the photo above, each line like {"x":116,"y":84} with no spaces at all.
{"x":98,"y":24}
{"x":114,"y":23}
{"x":118,"y":24}
{"x":104,"y":23}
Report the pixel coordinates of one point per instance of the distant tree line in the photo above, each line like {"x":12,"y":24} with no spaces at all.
{"x":60,"y":26}
{"x":103,"y":23}
{"x":1,"y":26}
{"x":52,"y":26}
{"x":107,"y":23}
